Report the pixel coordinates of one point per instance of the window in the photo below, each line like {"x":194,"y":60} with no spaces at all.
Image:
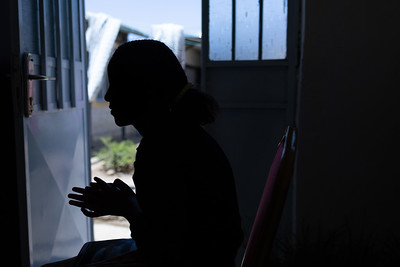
{"x":247,"y":29}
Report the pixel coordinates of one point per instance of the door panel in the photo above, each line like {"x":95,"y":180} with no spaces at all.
{"x":56,"y":134}
{"x":249,"y":86}
{"x":249,"y":66}
{"x":55,"y":156}
{"x":248,"y":143}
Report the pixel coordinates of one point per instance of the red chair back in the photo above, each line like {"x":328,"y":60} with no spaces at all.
{"x":266,"y":223}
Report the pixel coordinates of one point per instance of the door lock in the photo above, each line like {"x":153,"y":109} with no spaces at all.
{"x":29,"y":78}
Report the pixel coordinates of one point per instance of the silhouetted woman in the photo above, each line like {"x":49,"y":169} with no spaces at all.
{"x":184,"y":212}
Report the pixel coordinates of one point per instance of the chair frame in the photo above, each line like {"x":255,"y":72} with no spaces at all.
{"x":269,"y":212}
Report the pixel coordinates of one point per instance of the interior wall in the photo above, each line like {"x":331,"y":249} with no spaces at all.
{"x":348,"y":118}
{"x":13,"y":195}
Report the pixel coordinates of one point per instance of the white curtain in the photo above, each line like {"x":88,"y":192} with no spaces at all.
{"x":101,"y":34}
{"x":172,"y":35}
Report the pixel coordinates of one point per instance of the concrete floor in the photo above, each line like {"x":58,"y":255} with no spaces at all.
{"x":106,"y":229}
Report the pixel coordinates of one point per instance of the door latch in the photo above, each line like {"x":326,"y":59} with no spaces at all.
{"x":29,"y":78}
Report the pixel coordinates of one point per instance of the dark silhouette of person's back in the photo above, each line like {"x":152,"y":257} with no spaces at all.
{"x":186,"y":182}
{"x":184,"y":211}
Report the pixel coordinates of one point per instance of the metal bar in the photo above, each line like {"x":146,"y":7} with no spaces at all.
{"x":84,"y":103}
{"x":260,"y":27}
{"x":82,"y":97}
{"x":247,"y":63}
{"x":205,"y":47}
{"x":72,"y":53}
{"x":255,"y":106}
{"x":292,"y":48}
{"x":233,"y":29}
{"x":43,"y":56}
{"x":59,"y":87}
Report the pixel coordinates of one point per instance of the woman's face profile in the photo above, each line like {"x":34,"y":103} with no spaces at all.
{"x":125,"y":96}
{"x":144,"y":77}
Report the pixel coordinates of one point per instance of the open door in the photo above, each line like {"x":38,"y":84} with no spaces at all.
{"x":50,"y":126}
{"x":250,"y":50}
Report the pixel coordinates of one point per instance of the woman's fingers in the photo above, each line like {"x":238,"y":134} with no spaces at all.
{"x":78,"y":190}
{"x":123,"y":187}
{"x":92,"y":199}
{"x":76,"y":197}
{"x":91,"y":214}
{"x":78,"y":204}
{"x":101,"y":182}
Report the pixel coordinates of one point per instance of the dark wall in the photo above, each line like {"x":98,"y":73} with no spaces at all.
{"x":12,"y":196}
{"x":348,"y":118}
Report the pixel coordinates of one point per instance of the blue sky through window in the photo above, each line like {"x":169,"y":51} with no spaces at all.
{"x":140,"y":14}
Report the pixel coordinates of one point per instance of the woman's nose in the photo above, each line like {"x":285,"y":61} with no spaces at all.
{"x":107,"y":95}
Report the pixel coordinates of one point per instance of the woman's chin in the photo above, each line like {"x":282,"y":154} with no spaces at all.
{"x":121,"y":122}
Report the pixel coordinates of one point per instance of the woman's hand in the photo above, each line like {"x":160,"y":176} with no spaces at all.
{"x":101,"y":198}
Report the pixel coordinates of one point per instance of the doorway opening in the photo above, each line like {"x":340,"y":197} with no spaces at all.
{"x":246,"y":57}
{"x":108,"y":25}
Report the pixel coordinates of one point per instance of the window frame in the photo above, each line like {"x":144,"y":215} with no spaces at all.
{"x":234,"y":62}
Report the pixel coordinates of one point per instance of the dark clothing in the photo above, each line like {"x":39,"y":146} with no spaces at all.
{"x":185,"y":187}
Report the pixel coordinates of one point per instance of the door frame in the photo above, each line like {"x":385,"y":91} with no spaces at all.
{"x":12,"y":73}
{"x":291,"y":61}
{"x":289,"y":105}
{"x":11,"y":65}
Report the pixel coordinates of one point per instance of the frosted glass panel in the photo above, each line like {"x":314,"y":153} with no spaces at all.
{"x":274,"y":29}
{"x":247,"y":29}
{"x":220,"y":30}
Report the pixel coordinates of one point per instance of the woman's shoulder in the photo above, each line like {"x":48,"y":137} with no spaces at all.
{"x":191,"y":135}
{"x":184,"y":140}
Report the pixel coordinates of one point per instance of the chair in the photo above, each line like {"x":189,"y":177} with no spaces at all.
{"x":266,"y":223}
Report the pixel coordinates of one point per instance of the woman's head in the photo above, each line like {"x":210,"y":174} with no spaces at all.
{"x":148,"y":64}
{"x":140,"y":73}
{"x":145,"y":79}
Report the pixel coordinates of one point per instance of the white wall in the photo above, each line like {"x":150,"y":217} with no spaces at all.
{"x":102,"y":124}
